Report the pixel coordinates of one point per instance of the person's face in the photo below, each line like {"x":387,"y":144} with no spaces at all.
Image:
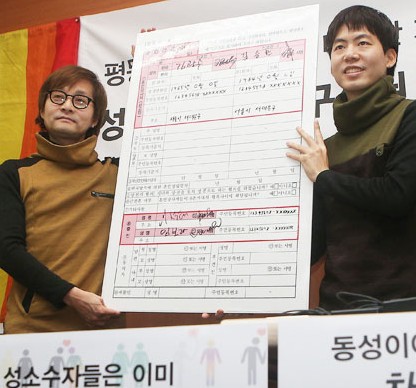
{"x":358,"y":60}
{"x":66,"y":124}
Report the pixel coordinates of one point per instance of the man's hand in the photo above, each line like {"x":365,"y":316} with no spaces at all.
{"x":312,"y":155}
{"x":90,"y":307}
{"x":219,"y":315}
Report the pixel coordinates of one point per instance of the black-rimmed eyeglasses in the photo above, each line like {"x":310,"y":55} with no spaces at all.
{"x":78,"y":100}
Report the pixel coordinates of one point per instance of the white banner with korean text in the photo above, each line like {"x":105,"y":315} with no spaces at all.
{"x":344,"y":351}
{"x":106,"y":40}
{"x":182,"y":357}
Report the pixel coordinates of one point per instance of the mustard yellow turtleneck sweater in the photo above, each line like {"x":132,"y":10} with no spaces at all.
{"x":55,"y":213}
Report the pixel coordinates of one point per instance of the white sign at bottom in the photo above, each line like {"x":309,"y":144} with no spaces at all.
{"x":362,"y":351}
{"x":184,"y":356}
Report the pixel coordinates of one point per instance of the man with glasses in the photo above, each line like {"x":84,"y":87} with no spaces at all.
{"x":55,"y":212}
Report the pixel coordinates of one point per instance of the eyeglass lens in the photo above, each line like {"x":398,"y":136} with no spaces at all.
{"x":78,"y":101}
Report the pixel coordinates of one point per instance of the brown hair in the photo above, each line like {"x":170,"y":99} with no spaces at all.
{"x":68,"y":76}
{"x":376,"y":22}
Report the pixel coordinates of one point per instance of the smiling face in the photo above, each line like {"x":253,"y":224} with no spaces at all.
{"x":358,"y":60}
{"x":66,"y":124}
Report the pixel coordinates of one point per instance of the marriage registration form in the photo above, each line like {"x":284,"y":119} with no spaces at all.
{"x":209,"y":211}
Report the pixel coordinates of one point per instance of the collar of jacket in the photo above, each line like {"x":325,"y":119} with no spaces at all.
{"x":81,"y":154}
{"x":361,"y":113}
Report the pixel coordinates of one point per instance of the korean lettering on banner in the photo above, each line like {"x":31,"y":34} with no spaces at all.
{"x":88,"y":376}
{"x":377,"y":346}
{"x":116,"y":74}
{"x":373,"y":347}
{"x":116,"y":121}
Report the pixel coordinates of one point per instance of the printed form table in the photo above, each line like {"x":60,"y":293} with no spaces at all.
{"x":209,"y":211}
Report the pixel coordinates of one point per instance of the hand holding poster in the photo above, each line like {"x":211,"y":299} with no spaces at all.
{"x":209,"y":211}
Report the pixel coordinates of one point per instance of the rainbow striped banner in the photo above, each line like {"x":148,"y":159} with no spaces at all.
{"x":27,"y":57}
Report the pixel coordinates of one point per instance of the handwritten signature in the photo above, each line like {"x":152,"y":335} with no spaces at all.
{"x":288,"y":52}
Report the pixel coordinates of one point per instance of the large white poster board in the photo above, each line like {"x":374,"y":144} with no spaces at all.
{"x":209,"y":212}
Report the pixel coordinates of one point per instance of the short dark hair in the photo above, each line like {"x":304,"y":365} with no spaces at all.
{"x":376,"y":22}
{"x":68,"y":76}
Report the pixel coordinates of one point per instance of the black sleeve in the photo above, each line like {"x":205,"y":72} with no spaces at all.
{"x":318,"y":247}
{"x":393,"y":194}
{"x":14,"y":258}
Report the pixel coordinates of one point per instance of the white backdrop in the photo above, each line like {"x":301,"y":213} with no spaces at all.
{"x":106,"y":40}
